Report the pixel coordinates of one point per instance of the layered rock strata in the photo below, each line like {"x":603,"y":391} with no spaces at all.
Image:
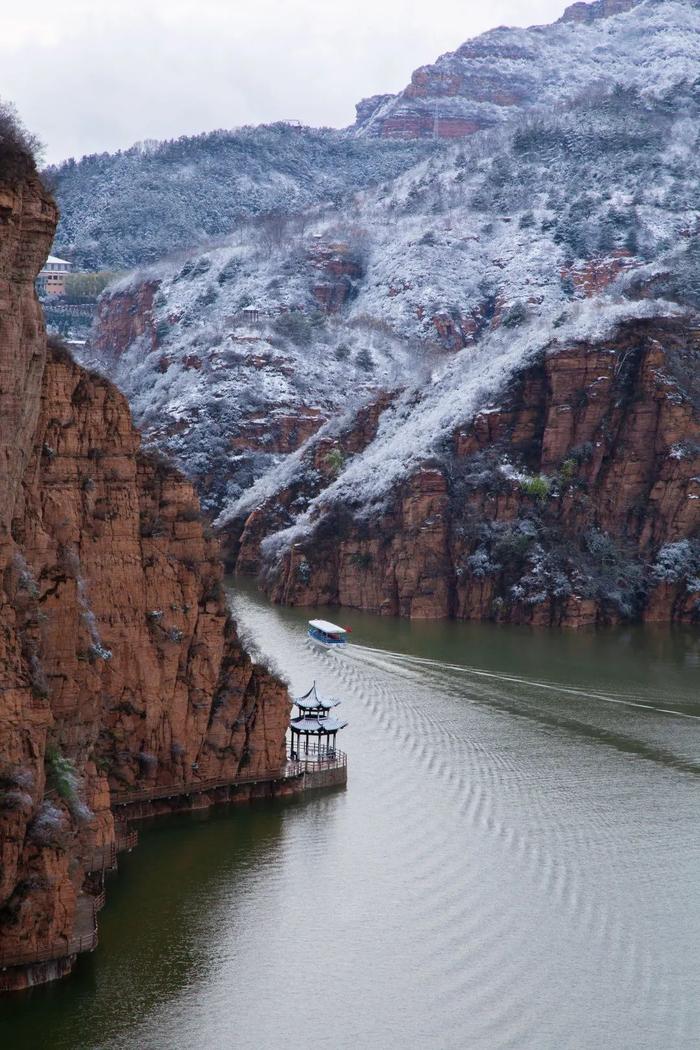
{"x":119,"y":663}
{"x":498,"y":74}
{"x":576,"y":502}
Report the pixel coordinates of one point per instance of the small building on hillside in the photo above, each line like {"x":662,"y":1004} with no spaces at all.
{"x":251,"y":314}
{"x":52,"y":276}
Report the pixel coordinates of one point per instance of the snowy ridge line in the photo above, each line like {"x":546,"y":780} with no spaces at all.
{"x":555,"y":61}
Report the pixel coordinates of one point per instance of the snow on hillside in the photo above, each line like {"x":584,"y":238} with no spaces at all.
{"x":417,"y":425}
{"x":651,"y":47}
{"x":440,"y":282}
{"x":247,"y":361}
{"x":136,"y":206}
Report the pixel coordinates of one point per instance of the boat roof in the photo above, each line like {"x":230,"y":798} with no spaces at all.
{"x":311,"y":701}
{"x":327,"y":627}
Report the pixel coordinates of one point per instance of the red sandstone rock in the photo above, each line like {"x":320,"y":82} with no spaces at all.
{"x":338,"y":268}
{"x":117,"y":653}
{"x":124,"y":317}
{"x":595,"y":275}
{"x":622,"y":401}
{"x":463,"y":91}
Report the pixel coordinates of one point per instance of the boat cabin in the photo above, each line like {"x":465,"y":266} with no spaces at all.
{"x":327,"y":633}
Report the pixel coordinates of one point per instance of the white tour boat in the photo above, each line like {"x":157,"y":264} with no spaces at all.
{"x":326,"y":633}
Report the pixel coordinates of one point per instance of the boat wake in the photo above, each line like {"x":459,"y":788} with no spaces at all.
{"x":495,"y":826}
{"x":562,"y":690}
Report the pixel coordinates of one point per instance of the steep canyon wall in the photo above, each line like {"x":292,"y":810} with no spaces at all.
{"x":119,"y":663}
{"x":576,"y":501}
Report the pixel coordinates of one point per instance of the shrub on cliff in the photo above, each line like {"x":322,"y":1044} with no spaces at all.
{"x":538,"y":488}
{"x":295,"y":326}
{"x":335,"y":460}
{"x":61,"y":775}
{"x":50,"y":826}
{"x":58,"y":351}
{"x":155,"y":462}
{"x":361,"y":560}
{"x":18,"y":148}
{"x":515,"y":315}
{"x":613,"y":573}
{"x":679,"y":562}
{"x":364,"y":360}
{"x":481,"y":564}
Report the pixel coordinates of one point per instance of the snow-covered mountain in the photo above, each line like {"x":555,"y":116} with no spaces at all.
{"x":136,"y":206}
{"x":132,"y":207}
{"x":428,"y":296}
{"x":494,"y":78}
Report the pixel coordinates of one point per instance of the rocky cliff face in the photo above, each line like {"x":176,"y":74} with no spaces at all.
{"x":229,"y":367}
{"x":575,"y":501}
{"x":320,"y":460}
{"x":586,"y":12}
{"x":497,"y":76}
{"x":120,"y":664}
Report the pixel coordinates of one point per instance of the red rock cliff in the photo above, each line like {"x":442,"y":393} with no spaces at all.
{"x":500,"y":73}
{"x":119,"y":663}
{"x":576,"y":502}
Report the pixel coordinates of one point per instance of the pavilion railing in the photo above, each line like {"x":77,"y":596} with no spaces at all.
{"x":316,"y":759}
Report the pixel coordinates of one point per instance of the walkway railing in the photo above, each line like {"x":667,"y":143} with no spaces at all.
{"x":104,"y":858}
{"x":126,"y":840}
{"x":296,"y":767}
{"x":83,"y":940}
{"x":197,"y":787}
{"x":85,"y":936}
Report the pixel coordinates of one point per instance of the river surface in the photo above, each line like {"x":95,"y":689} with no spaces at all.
{"x":514,"y":863}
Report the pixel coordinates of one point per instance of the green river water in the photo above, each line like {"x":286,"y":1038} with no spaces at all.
{"x":514,"y":863}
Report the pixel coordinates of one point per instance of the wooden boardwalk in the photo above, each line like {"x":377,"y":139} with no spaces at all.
{"x":104,"y":858}
{"x":293,"y":770}
{"x":83,"y":939}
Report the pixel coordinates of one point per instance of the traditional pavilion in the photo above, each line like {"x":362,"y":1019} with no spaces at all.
{"x":314,"y":721}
